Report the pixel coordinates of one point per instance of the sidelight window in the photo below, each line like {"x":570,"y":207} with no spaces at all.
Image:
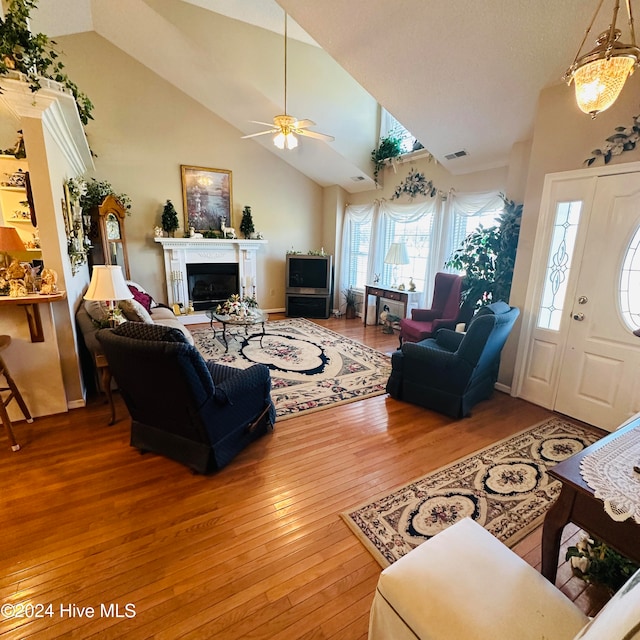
{"x":563,"y":241}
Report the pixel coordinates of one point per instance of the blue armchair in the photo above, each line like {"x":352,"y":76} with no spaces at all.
{"x":199,"y":413}
{"x":453,"y":371}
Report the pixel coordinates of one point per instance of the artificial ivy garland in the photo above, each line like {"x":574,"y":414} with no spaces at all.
{"x":624,"y":139}
{"x":415,"y":184}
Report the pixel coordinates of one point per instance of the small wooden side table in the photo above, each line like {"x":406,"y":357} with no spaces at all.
{"x":578,"y":504}
{"x":390,"y":294}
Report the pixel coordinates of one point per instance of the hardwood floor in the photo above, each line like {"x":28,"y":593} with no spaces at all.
{"x":257,"y":550}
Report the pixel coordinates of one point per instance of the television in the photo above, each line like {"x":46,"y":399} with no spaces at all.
{"x":311,"y":275}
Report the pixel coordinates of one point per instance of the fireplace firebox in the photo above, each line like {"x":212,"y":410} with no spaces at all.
{"x":211,"y":284}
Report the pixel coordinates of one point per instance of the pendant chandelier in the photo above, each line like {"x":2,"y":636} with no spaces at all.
{"x":599,"y":75}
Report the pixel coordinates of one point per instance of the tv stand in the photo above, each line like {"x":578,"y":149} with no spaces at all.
{"x":309,"y":285}
{"x":308,"y":306}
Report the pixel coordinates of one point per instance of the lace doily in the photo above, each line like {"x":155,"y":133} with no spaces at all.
{"x":609,"y":472}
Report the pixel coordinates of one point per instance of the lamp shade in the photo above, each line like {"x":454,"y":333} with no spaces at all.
{"x":397,"y":254}
{"x":107,"y":283}
{"x":10,"y":240}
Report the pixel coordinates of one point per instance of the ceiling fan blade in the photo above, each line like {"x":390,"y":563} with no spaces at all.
{"x":261,"y":133}
{"x":266,"y":124}
{"x":303,"y":124}
{"x":315,"y":134}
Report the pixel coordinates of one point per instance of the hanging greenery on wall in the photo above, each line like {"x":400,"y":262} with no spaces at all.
{"x":624,"y":139}
{"x":415,"y":184}
{"x":34,"y":55}
{"x":390,"y":147}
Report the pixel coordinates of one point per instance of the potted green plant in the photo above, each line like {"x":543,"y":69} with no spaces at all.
{"x":33,"y":55}
{"x":351,"y":303}
{"x":390,"y":147}
{"x":487,"y":258}
{"x":594,"y":561}
{"x":170,"y":220}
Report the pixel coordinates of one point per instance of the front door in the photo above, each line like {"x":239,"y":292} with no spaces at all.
{"x":599,"y":381}
{"x":579,"y":354}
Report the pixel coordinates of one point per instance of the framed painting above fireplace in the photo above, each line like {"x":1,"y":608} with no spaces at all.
{"x":206,"y":197}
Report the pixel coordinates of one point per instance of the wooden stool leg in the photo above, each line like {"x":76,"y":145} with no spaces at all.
{"x":4,"y":416}
{"x":15,"y":391}
{"x":14,"y":394}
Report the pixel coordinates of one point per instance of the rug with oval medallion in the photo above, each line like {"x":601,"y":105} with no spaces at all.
{"x":504,"y":487}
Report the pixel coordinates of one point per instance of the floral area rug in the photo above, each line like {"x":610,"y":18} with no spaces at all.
{"x":504,"y":487}
{"x":312,"y":368}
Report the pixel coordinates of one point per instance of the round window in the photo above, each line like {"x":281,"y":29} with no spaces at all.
{"x":630,"y":284}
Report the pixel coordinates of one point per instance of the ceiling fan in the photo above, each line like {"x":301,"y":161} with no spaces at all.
{"x":284,"y":126}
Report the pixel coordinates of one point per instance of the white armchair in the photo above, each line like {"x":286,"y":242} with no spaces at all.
{"x":464,"y":583}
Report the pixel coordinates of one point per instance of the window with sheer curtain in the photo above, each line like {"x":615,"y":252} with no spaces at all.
{"x":431,"y":231}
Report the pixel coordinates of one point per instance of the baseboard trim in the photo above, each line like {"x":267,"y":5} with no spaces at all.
{"x":503,"y":387}
{"x":76,"y":404}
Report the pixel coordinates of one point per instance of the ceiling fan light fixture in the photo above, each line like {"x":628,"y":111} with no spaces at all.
{"x":279,"y":140}
{"x":285,"y":127}
{"x":291,"y":141}
{"x":599,"y":75}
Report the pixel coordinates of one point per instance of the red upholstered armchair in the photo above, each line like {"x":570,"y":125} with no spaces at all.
{"x":443,"y":313}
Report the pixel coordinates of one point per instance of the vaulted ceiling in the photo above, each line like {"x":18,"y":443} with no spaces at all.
{"x":459,"y":74}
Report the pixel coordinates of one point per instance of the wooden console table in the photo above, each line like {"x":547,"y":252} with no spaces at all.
{"x":578,"y":504}
{"x":30,"y":305}
{"x":389,"y":294}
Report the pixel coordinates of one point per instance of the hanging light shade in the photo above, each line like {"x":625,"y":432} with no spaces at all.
{"x":599,"y":75}
{"x":285,"y":136}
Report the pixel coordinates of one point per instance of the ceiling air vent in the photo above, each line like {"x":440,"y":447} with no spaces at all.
{"x":357,"y":178}
{"x":458,"y":154}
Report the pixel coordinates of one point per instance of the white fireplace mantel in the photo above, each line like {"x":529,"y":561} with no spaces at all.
{"x":179,"y":252}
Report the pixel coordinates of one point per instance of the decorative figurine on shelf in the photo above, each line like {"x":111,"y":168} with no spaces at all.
{"x":15,"y":271}
{"x":401,"y":287}
{"x":49,"y":282}
{"x":389,"y":321}
{"x":31,"y":277}
{"x":412,"y":285}
{"x":228,"y":232}
{"x":17,"y":288}
{"x":158,"y":232}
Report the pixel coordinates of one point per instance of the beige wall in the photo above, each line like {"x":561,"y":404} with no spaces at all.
{"x":144,"y":129}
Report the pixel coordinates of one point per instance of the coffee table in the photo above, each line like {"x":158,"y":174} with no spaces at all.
{"x":255,"y":317}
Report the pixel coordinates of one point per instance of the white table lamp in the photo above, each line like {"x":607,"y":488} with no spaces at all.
{"x":397,"y":254}
{"x":108,"y":285}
